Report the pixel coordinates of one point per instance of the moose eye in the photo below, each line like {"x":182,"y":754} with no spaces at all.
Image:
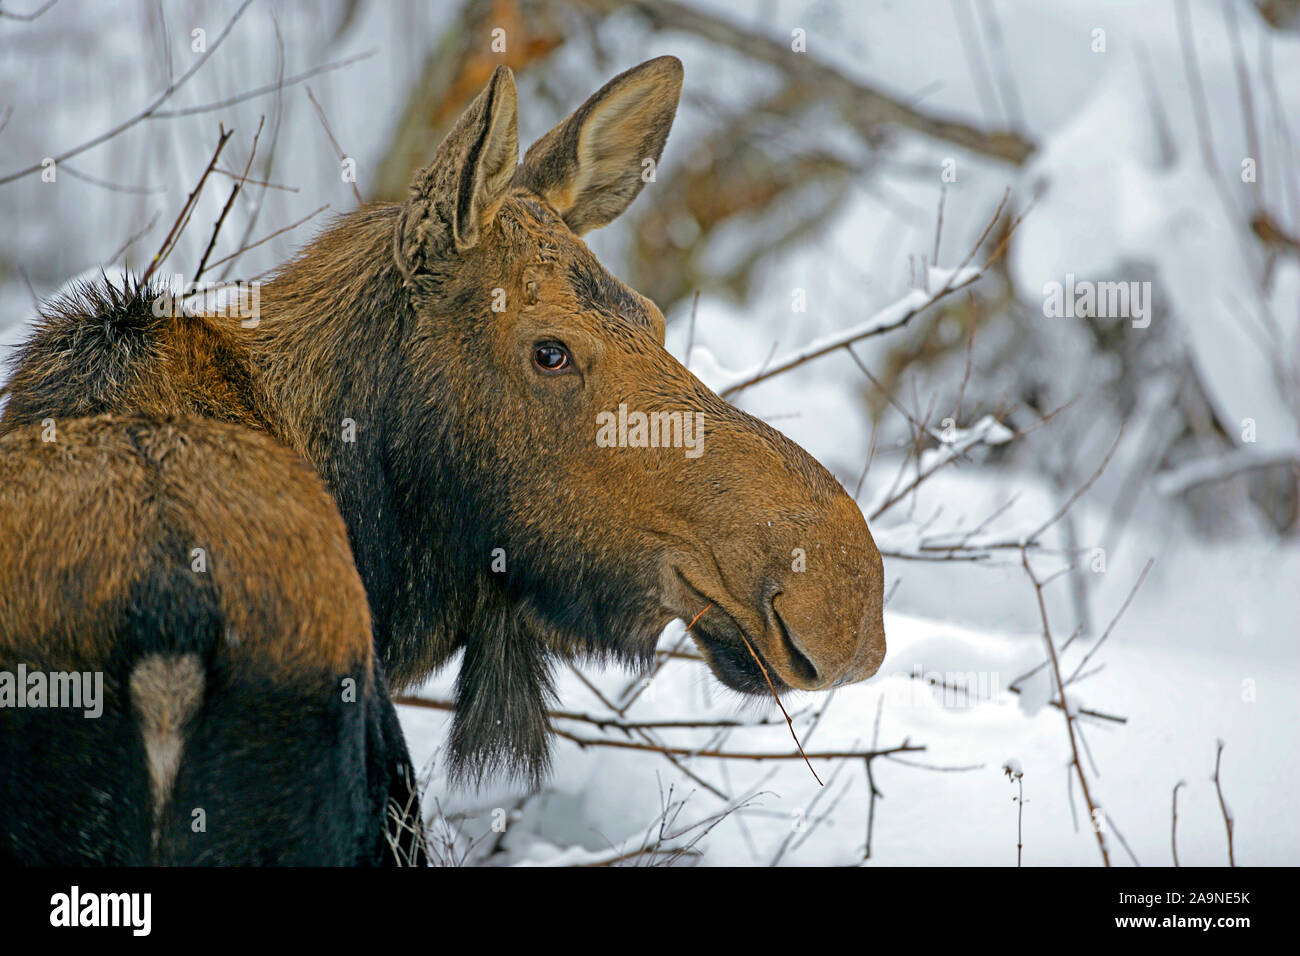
{"x":551,"y":357}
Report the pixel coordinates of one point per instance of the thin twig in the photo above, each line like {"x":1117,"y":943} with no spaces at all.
{"x":178,"y":227}
{"x":111,"y":186}
{"x":938,"y":225}
{"x":776,"y":698}
{"x":264,"y":239}
{"x":133,"y":237}
{"x":810,"y":822}
{"x":970,"y":349}
{"x":873,"y":792}
{"x":275,"y":87}
{"x":892,"y":317}
{"x":603,"y":722}
{"x":1223,"y":805}
{"x":1113,"y":621}
{"x":256,"y":182}
{"x":28,"y":17}
{"x":1173,"y":827}
{"x":1015,"y":774}
{"x":1120,"y":836}
{"x":320,"y":112}
{"x":1065,"y":709}
{"x":646,"y":735}
{"x":267,"y":164}
{"x":740,"y":755}
{"x":225,"y":210}
{"x":690,"y":330}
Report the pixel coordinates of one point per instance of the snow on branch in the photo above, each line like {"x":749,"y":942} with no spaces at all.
{"x":888,"y":319}
{"x":891,"y":317}
{"x":953,"y":444}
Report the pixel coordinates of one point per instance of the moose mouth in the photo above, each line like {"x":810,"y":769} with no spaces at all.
{"x":732,"y":654}
{"x":735,"y":666}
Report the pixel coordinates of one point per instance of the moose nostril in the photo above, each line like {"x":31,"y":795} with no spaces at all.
{"x":800,"y":663}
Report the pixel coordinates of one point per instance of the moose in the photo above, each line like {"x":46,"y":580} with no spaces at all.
{"x":255,"y":534}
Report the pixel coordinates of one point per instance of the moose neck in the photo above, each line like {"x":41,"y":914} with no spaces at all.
{"x":354,"y":380}
{"x":328,"y":355}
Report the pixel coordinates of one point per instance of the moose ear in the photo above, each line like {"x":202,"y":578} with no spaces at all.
{"x":453,"y":199}
{"x":591,"y":166}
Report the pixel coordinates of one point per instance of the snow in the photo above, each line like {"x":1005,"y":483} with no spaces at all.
{"x":1111,"y":201}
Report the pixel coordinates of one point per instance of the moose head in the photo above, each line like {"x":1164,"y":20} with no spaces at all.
{"x":570,"y":486}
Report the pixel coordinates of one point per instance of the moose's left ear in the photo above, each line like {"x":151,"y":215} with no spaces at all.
{"x":453,"y":199}
{"x":590,"y":167}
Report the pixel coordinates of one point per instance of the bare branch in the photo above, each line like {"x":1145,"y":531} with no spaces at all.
{"x":608,"y":722}
{"x":264,"y":239}
{"x":234,"y":191}
{"x":133,"y":237}
{"x":111,"y":187}
{"x":1093,"y":819}
{"x":320,"y":112}
{"x":1017,"y":776}
{"x":740,"y":755}
{"x":888,"y":319}
{"x":1173,"y":828}
{"x":762,"y":667}
{"x":256,"y":182}
{"x":1223,"y":805}
{"x":275,"y":87}
{"x":1113,"y":621}
{"x":149,"y":111}
{"x":28,"y":17}
{"x":1201,"y":471}
{"x":182,"y":220}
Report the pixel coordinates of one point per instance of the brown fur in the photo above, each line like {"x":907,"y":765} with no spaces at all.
{"x":94,"y":507}
{"x":225,"y":673}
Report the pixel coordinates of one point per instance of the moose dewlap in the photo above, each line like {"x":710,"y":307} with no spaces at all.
{"x":417,"y":396}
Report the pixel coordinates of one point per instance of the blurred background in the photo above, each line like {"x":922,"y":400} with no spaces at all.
{"x":831,"y":159}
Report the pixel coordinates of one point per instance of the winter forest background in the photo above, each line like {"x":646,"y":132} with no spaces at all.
{"x":855,"y":234}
